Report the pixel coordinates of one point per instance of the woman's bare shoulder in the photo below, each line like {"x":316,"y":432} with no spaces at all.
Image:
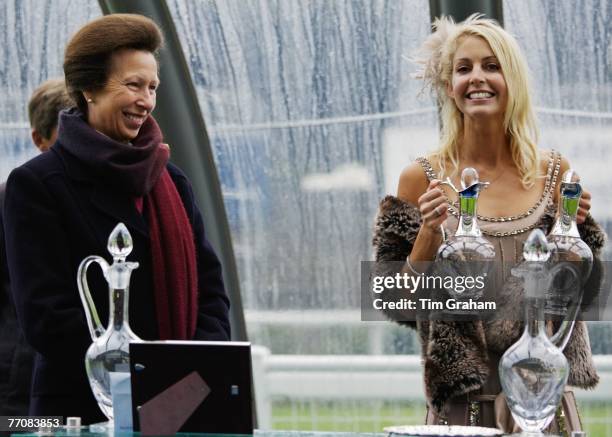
{"x":544,"y":154}
{"x":545,"y":157}
{"x":565,"y":165}
{"x":413,"y":183}
{"x":547,"y":154}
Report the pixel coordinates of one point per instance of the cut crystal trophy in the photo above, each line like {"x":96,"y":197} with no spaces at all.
{"x":109,"y":351}
{"x":533,"y":371}
{"x":467,"y":253}
{"x":571,"y":258}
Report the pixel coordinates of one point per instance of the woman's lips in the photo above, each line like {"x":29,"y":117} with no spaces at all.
{"x":480,"y":95}
{"x":134,"y":121}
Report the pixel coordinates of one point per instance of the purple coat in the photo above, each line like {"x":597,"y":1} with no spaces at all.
{"x":57,"y":213}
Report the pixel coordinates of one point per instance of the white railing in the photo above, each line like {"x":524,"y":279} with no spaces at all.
{"x":255,"y":320}
{"x":360,"y":377}
{"x":351,"y":377}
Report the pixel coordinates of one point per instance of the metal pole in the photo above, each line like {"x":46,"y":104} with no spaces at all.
{"x":461,"y":9}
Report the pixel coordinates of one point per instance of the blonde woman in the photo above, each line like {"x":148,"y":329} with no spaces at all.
{"x":480,"y":78}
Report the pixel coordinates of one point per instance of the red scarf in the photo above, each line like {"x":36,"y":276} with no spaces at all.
{"x":139,"y":169}
{"x":174,"y":261}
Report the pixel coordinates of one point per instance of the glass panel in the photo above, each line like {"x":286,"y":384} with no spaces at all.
{"x":305,"y":103}
{"x":32,"y":41}
{"x":569,"y":51}
{"x":312,"y":114}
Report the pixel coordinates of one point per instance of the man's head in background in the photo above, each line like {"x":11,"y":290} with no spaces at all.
{"x":46,"y":102}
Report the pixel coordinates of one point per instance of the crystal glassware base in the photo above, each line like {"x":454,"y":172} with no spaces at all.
{"x":103,"y":427}
{"x":533,"y":371}
{"x":109,"y":350}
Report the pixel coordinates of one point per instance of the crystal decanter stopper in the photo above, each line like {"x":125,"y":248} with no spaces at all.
{"x":533,"y":371}
{"x":571,"y":258}
{"x":109,"y":351}
{"x":467,"y":253}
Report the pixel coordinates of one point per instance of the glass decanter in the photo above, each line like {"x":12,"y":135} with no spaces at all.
{"x":571,"y":258}
{"x":467,"y":253}
{"x":533,"y":371}
{"x":109,"y":351}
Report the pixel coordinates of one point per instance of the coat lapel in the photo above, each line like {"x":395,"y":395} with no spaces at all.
{"x":117,"y":207}
{"x":121,"y":209}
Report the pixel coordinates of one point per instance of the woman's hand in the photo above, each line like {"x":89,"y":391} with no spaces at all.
{"x":583,"y":207}
{"x":433,"y":207}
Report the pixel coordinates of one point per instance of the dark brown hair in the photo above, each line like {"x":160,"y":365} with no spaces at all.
{"x":89,"y":51}
{"x":46,"y":102}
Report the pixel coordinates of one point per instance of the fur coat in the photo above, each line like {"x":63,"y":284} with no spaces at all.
{"x":455,"y":354}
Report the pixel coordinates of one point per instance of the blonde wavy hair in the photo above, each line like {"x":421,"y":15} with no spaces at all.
{"x":435,"y":57}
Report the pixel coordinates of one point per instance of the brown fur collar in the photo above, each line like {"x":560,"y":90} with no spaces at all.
{"x":455,"y":354}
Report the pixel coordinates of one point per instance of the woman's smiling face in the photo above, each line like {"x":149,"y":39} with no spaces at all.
{"x":477,"y":83}
{"x":120,"y":108}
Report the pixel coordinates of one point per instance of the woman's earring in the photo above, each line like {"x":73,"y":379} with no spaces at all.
{"x":89,"y":100}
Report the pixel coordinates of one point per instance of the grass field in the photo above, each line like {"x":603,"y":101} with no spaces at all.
{"x":357,"y":416}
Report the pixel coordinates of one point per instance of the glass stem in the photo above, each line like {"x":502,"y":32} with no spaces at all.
{"x":468,"y":225}
{"x":534,"y":316}
{"x":566,"y":216}
{"x":119,"y":309}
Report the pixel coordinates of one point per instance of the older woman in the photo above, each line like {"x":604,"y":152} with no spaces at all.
{"x":479,"y":75}
{"x":108,"y":165}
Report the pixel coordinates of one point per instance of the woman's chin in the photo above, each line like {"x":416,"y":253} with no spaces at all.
{"x":484,"y":113}
{"x":130,"y":134}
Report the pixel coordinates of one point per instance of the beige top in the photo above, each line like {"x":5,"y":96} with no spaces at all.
{"x":507,"y":234}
